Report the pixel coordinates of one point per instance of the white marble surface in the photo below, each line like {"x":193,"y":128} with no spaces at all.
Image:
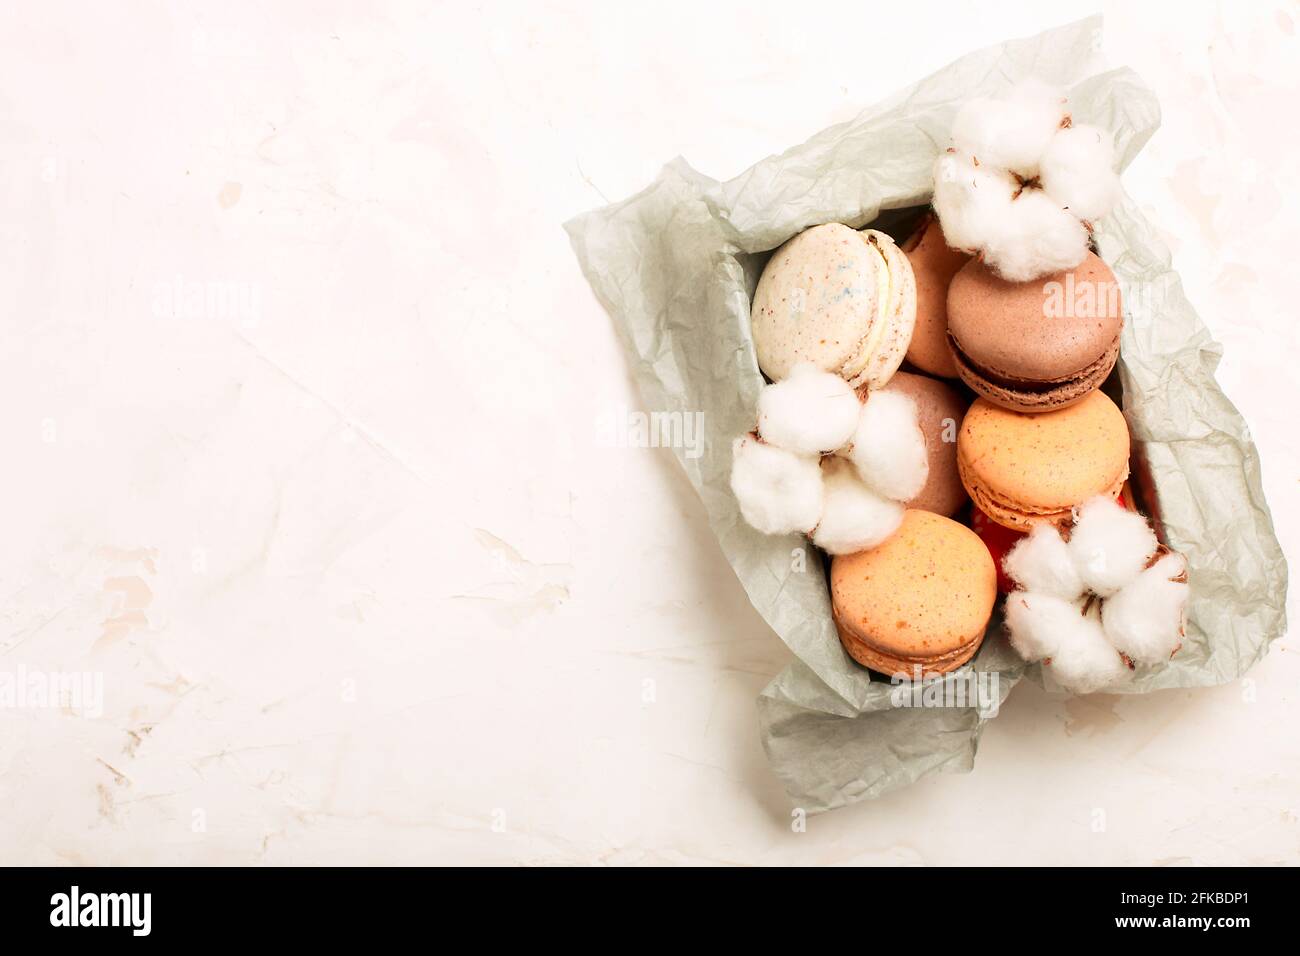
{"x":300,"y":384}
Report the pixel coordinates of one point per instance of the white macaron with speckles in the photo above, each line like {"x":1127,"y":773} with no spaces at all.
{"x":840,"y":298}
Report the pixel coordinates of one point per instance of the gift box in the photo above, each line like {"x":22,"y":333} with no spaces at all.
{"x":676,"y":266}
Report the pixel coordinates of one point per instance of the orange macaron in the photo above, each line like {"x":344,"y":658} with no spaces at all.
{"x":921,"y":600}
{"x":1021,"y":469}
{"x":933,"y":265}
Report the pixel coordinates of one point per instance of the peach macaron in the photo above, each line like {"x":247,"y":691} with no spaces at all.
{"x":940,"y":409}
{"x":1023,"y":468}
{"x":933,"y":265}
{"x":921,"y":600}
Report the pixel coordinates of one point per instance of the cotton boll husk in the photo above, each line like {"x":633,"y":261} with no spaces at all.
{"x":1084,"y":660}
{"x":1078,"y":171}
{"x":1110,"y":545}
{"x":1144,"y":619}
{"x":1042,"y":563}
{"x":779,"y":492}
{"x":1013,"y":132}
{"x":808,"y":412}
{"x":1036,"y":238}
{"x":888,"y":446}
{"x":1036,"y":623}
{"x":971,"y":201}
{"x":854,"y":518}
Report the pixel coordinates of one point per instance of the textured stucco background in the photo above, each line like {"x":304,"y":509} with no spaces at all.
{"x":302,"y":392}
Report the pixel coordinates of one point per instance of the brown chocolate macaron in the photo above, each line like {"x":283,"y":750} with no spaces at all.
{"x":939,"y":411}
{"x":1035,"y":346}
{"x":933,"y":265}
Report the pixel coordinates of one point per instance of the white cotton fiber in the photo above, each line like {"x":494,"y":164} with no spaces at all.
{"x":779,"y":492}
{"x":888,"y":447}
{"x":1145,"y":618}
{"x":1035,"y":237}
{"x":1011,"y":132}
{"x":809,"y":412}
{"x":854,"y":518}
{"x":1017,"y":187}
{"x":972,"y":201}
{"x":1041,"y":562}
{"x":1036,"y":622}
{"x":1084,"y":660}
{"x":1078,"y":171}
{"x":1110,"y":544}
{"x":1042,"y":626}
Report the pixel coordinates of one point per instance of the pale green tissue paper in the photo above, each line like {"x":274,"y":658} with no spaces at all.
{"x":675,"y":266}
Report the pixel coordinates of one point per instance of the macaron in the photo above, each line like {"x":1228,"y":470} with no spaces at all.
{"x":1021,"y":469}
{"x":841,"y":299}
{"x":1000,"y":540}
{"x":933,"y":265}
{"x":939,"y":411}
{"x":1035,"y":346}
{"x":922,"y":599}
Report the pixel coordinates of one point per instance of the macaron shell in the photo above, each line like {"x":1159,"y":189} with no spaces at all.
{"x":884,"y":355}
{"x":933,"y":265}
{"x":940,"y":409}
{"x":1023,"y":397}
{"x":877,"y":660}
{"x":816,"y":301}
{"x":923,"y":597}
{"x":1021,"y":469}
{"x":1035,"y":332}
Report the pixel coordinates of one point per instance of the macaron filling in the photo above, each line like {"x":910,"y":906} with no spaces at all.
{"x":1032,"y":394}
{"x":1008,"y":380}
{"x":870,"y":343}
{"x":1008,"y":512}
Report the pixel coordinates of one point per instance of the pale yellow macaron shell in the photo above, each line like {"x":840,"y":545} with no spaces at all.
{"x":1024,"y":468}
{"x":840,"y":299}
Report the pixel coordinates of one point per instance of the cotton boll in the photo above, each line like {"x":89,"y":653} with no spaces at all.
{"x":1078,"y":171}
{"x":855,"y":518}
{"x":980,"y":126}
{"x":1110,"y":545}
{"x":1084,"y":660}
{"x":779,"y":492}
{"x":971,"y":201}
{"x":1013,"y":132}
{"x":987,"y":188}
{"x":1036,"y":623}
{"x":1144,"y":619}
{"x":1036,"y":238}
{"x":1044,"y":103}
{"x":808,"y":412}
{"x":888,"y":446}
{"x":1042,"y":563}
{"x":1043,"y":111}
